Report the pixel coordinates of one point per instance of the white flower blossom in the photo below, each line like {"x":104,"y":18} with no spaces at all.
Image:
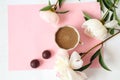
{"x":111,"y":24}
{"x":64,"y":70}
{"x":49,"y":16}
{"x":95,"y":29}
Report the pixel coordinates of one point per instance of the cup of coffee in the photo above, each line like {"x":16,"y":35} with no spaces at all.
{"x":67,"y":37}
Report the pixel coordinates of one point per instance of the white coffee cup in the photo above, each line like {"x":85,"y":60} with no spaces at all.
{"x":67,"y":37}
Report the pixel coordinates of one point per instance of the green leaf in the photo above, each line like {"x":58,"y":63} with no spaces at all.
{"x":49,"y":3}
{"x":86,"y":16}
{"x":116,"y":17}
{"x":84,"y":67}
{"x":118,"y":22}
{"x":95,"y":55}
{"x":108,"y":4}
{"x":116,"y":1}
{"x":112,"y":17}
{"x":101,"y":4}
{"x":98,"y":0}
{"x":60,"y":3}
{"x":62,"y":12}
{"x":46,"y":8}
{"x":107,"y":16}
{"x":112,"y":31}
{"x":102,"y":63}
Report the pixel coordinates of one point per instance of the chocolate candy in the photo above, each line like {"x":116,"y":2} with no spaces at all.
{"x":46,"y":54}
{"x":35,"y":63}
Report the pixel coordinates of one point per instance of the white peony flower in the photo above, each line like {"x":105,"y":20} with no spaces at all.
{"x":49,"y":16}
{"x":111,"y":24}
{"x":95,"y":29}
{"x":63,"y":68}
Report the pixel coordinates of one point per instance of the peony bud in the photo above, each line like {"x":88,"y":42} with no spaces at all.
{"x":75,"y":60}
{"x":95,"y":29}
{"x":49,"y":16}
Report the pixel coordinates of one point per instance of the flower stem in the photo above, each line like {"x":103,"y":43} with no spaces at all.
{"x":117,"y":29}
{"x":101,"y":43}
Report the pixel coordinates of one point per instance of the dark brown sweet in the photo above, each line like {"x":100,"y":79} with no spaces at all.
{"x":46,"y":54}
{"x":35,"y":63}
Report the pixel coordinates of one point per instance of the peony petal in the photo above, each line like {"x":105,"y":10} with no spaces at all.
{"x":75,"y":60}
{"x":62,"y":60}
{"x":49,"y":16}
{"x":69,"y":74}
{"x":73,"y":75}
{"x":94,"y":23}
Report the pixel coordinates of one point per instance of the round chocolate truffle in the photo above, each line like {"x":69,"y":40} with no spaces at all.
{"x":35,"y":63}
{"x":46,"y":54}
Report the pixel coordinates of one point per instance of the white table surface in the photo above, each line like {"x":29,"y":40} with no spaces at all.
{"x":112,"y":52}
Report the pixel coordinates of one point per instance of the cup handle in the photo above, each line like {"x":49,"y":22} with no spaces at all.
{"x":81,"y":43}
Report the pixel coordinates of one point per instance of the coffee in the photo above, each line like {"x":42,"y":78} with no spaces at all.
{"x":66,"y":37}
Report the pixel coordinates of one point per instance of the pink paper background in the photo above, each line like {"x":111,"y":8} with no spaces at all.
{"x":29,"y":35}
